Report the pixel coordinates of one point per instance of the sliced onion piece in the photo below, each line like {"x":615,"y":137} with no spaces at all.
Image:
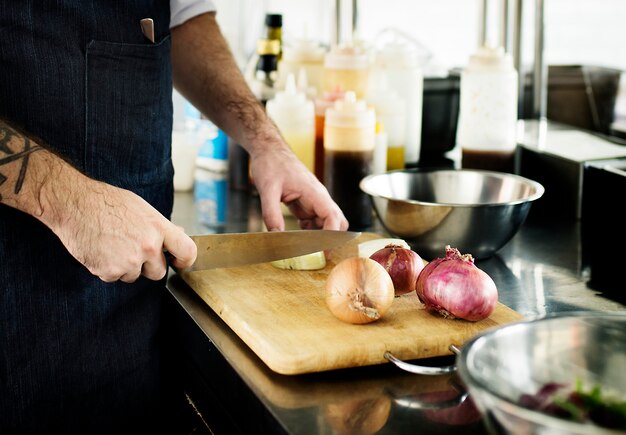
{"x":313,"y":261}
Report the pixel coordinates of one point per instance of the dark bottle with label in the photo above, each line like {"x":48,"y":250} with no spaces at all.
{"x":263,"y":84}
{"x":274,"y":30}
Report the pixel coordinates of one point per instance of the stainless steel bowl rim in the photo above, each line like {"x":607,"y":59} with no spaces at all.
{"x":547,"y":420}
{"x":539,"y":189}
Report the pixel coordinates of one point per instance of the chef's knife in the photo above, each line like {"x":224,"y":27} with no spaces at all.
{"x":239,"y":249}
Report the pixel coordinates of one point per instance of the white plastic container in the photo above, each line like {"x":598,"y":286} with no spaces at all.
{"x":487,"y":128}
{"x":294,"y":116}
{"x":398,"y":61}
{"x":188,"y":135}
{"x":185,"y":146}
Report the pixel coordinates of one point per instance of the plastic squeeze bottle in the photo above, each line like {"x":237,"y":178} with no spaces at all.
{"x":349,"y":141}
{"x":322,"y":103}
{"x":294,"y":116}
{"x":390,"y":110}
{"x":398,"y":63}
{"x":488,"y":111}
{"x":346,"y":68}
{"x":303,"y":54}
{"x":274,"y":30}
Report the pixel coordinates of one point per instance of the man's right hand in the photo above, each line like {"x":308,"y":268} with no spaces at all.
{"x":117,"y":235}
{"x":113,"y":232}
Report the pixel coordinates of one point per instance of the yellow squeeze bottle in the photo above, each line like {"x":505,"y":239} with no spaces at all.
{"x":294,"y":115}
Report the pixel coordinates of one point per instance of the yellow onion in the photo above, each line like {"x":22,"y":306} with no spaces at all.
{"x":456,"y":288}
{"x":359,"y":290}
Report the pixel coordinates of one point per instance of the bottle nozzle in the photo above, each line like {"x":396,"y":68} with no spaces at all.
{"x":302,"y":80}
{"x":290,"y":85}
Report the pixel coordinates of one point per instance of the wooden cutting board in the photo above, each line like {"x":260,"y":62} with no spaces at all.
{"x":282,"y":316}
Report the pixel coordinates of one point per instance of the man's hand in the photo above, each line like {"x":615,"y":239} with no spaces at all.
{"x":113,"y":232}
{"x":118,"y":236}
{"x":279,"y":176}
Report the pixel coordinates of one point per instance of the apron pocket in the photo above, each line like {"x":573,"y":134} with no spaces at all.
{"x":129,"y":113}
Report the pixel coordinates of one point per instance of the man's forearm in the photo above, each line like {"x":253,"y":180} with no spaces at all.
{"x":30,"y":175}
{"x":15,"y":151}
{"x":206,"y":73}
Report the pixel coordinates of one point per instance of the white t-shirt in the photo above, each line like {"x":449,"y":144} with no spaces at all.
{"x":183,"y":10}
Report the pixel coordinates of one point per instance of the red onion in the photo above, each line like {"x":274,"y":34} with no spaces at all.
{"x":403,"y":265}
{"x":454,"y":287}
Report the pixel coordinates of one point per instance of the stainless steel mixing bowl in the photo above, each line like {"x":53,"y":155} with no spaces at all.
{"x":477,"y":212}
{"x":505,"y":363}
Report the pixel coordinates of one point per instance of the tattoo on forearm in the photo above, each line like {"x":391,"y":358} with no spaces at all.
{"x":13,"y":147}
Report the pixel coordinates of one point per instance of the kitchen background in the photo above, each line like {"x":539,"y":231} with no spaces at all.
{"x":576,"y":31}
{"x":447,"y":32}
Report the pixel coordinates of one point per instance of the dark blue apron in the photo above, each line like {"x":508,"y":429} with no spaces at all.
{"x":77,"y":354}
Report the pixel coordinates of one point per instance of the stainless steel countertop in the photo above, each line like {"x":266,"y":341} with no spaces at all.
{"x":539,"y":271}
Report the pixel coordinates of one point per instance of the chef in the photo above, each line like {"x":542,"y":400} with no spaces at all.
{"x":86,"y":194}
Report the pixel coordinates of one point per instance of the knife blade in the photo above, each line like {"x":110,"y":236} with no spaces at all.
{"x":240,"y":249}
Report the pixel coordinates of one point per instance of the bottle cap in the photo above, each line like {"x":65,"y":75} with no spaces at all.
{"x":327,"y":100}
{"x":346,"y":56}
{"x":350,"y":112}
{"x":274,"y":20}
{"x":397,"y":54}
{"x":304,"y":50}
{"x":290,"y":104}
{"x":488,"y":58}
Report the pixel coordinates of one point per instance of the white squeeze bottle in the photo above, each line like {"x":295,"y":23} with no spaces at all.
{"x":390,"y":110}
{"x":488,"y":111}
{"x":294,"y":115}
{"x":398,"y":61}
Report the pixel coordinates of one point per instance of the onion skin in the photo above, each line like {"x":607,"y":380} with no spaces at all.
{"x":403,"y":265}
{"x":455,"y":288}
{"x":359,"y":290}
